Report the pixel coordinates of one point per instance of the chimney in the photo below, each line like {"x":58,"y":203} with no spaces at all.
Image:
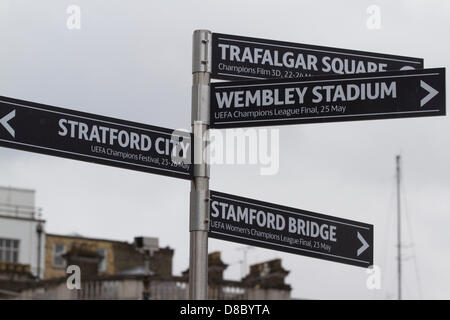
{"x":267,"y":275}
{"x":215,"y":268}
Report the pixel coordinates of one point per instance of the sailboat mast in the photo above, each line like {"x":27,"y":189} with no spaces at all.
{"x":399,"y":229}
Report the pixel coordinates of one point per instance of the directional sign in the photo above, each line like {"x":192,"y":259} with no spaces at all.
{"x":235,"y":57}
{"x":83,"y":136}
{"x":395,"y":94}
{"x":281,"y":228}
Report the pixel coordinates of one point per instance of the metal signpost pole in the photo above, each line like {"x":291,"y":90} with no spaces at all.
{"x":199,"y":198}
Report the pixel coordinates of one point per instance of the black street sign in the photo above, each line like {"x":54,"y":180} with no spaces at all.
{"x":281,"y":228}
{"x":83,"y":136}
{"x":382,"y":95}
{"x":238,"y":58}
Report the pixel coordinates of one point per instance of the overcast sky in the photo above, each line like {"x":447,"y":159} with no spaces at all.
{"x":132,"y":60}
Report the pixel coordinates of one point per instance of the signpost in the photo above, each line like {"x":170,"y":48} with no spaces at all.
{"x":281,"y":228}
{"x":83,"y":136}
{"x":240,"y":58}
{"x":396,"y":94}
{"x":354,"y":85}
{"x":199,"y":197}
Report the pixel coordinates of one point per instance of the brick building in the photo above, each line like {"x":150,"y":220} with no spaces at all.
{"x":101,"y":256}
{"x":112,"y":269}
{"x":265,"y":282}
{"x":33,"y":263}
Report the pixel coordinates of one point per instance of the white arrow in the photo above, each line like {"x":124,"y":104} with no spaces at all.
{"x":365,"y":245}
{"x":431,"y":92}
{"x":4,"y":122}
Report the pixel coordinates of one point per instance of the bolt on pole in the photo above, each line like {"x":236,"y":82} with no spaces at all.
{"x":199,"y":197}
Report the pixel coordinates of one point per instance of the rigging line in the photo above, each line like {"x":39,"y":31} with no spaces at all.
{"x":388,"y":229}
{"x":411,"y":234}
{"x":414,"y":256}
{"x":406,"y":290}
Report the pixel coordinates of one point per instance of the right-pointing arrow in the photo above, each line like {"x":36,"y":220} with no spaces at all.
{"x":365,"y":245}
{"x":5,"y":124}
{"x":431,"y":92}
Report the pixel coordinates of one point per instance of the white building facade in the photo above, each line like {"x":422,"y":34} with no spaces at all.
{"x":22,"y":235}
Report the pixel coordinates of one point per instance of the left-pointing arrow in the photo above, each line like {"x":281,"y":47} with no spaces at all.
{"x":365,"y":245}
{"x":6,"y":125}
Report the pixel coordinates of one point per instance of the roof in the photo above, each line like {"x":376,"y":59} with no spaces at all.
{"x":21,"y":218}
{"x":17,"y":189}
{"x":136,"y":271}
{"x":83,"y":238}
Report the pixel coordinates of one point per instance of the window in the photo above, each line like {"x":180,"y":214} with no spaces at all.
{"x":9,"y":250}
{"x":59,"y":249}
{"x":102,"y":265}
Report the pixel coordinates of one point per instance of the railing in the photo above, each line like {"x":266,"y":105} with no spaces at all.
{"x":175,"y":288}
{"x":168,"y":290}
{"x":131,"y":288}
{"x":14,"y":268}
{"x":159,"y":290}
{"x":227,"y":292}
{"x":20,"y":211}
